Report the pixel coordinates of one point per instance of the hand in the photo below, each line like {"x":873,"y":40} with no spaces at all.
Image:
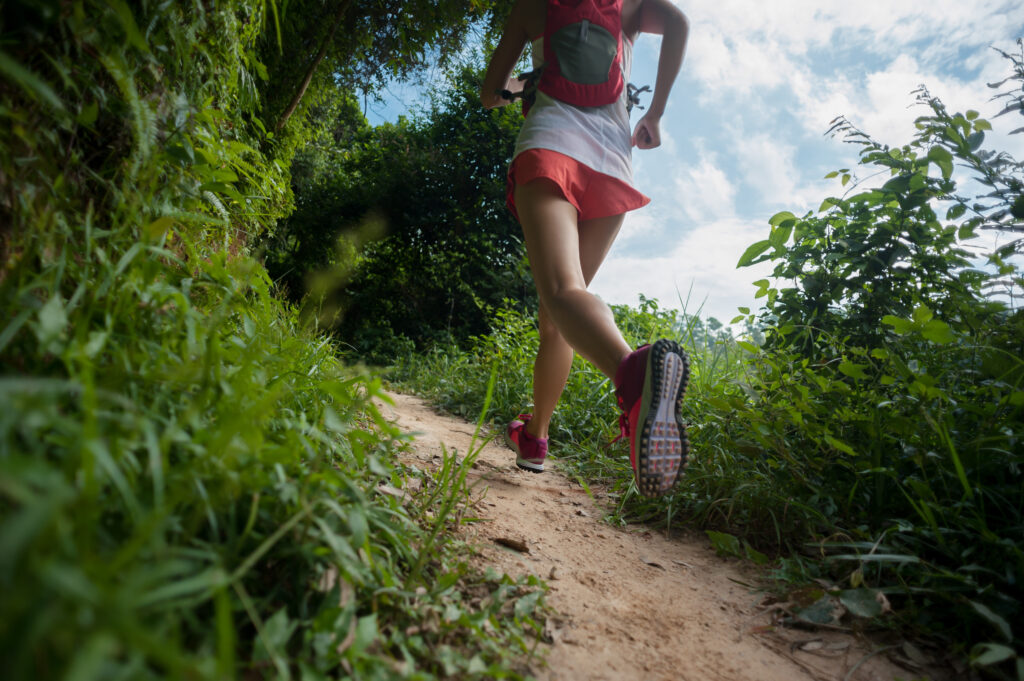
{"x":647,"y":134}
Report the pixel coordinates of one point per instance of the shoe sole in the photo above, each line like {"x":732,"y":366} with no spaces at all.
{"x":521,"y":462}
{"x":663,"y":444}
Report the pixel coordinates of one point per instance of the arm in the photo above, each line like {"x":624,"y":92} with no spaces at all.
{"x":664,"y":18}
{"x":503,"y":61}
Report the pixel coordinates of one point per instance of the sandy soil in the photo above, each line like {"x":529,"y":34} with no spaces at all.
{"x":631,"y":603}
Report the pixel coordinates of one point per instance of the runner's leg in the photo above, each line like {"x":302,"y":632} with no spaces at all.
{"x":554,"y":356}
{"x":553,"y":244}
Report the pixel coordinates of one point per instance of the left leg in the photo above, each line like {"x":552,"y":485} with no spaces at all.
{"x":554,"y":356}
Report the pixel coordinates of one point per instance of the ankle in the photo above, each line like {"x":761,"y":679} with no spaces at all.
{"x":536,"y":429}
{"x":629,"y":377}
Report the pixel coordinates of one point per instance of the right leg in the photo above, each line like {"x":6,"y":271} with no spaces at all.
{"x":649,"y":382}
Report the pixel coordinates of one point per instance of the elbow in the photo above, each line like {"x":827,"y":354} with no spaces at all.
{"x":488,"y":99}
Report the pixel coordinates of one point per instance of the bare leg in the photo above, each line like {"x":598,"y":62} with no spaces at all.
{"x":564,"y":256}
{"x":550,"y":372}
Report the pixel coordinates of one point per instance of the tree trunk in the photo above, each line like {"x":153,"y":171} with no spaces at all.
{"x":304,"y":85}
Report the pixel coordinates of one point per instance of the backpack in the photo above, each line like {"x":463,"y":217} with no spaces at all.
{"x":582,"y":54}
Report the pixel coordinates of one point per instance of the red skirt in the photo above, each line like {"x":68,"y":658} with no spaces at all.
{"x":593,"y":194}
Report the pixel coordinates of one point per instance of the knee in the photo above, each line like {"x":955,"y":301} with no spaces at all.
{"x":547,"y":329}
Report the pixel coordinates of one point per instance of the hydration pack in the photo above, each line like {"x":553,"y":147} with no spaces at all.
{"x":583,"y":52}
{"x":582,"y":55}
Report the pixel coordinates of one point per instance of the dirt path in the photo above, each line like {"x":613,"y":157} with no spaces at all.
{"x":631,"y":604}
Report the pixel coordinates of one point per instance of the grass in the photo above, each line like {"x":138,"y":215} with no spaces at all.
{"x":192,"y":484}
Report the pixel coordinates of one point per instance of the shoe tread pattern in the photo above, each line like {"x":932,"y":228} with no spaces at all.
{"x":663,"y":445}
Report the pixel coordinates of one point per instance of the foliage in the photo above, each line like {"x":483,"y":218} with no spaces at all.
{"x":319,"y":47}
{"x":191,"y":483}
{"x":404,"y":231}
{"x":895,"y":369}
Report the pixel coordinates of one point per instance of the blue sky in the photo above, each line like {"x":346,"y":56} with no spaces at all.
{"x":743,"y":135}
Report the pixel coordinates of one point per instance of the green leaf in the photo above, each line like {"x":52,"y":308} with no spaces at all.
{"x":852,"y":370}
{"x":941,"y":157}
{"x":87,"y":116}
{"x":975,"y":141}
{"x":754,"y":555}
{"x":97,"y":339}
{"x":13,"y":327}
{"x":922,"y":314}
{"x":897,"y":185}
{"x":131,"y":29}
{"x":527,"y":604}
{"x":825,"y":610}
{"x":779,"y":218}
{"x":53,"y":320}
{"x":861,"y":602}
{"x":840,"y":445}
{"x":725,"y":544}
{"x":29,"y":82}
{"x":900,"y":326}
{"x":996,"y":620}
{"x":748,"y":346}
{"x":937,"y":332}
{"x":366,"y":633}
{"x":156,"y":229}
{"x":987,"y":654}
{"x":780,"y":235}
{"x":1017,"y":208}
{"x":752,"y":252}
{"x":829,"y":203}
{"x":358,"y":526}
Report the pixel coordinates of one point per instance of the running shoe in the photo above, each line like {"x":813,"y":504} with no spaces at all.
{"x":530,"y":451}
{"x":650,"y":385}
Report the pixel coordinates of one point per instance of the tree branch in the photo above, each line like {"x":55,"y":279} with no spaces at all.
{"x":294,"y":104}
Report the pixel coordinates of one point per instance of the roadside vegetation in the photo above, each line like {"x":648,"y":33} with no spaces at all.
{"x":192,"y":484}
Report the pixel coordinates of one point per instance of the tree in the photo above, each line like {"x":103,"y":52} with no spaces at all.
{"x":359,"y":45}
{"x":405,"y":231}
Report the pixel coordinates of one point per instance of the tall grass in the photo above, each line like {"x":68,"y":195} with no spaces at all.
{"x":192,"y":485}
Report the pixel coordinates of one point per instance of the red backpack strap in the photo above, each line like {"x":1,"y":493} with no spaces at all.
{"x":583,"y":51}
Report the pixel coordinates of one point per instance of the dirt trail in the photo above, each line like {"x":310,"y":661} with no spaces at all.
{"x":631,"y":603}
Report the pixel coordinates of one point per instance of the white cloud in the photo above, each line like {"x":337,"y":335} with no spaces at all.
{"x":769,"y":165}
{"x":704,"y":192}
{"x":739,"y":50}
{"x":699,"y":264}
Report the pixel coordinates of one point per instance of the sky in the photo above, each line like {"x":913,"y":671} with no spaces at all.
{"x":743,"y":136}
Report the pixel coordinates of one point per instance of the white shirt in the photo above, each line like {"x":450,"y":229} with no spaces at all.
{"x":598,"y":136}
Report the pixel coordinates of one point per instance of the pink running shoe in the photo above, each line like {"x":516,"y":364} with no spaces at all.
{"x":650,"y":384}
{"x":530,"y":451}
